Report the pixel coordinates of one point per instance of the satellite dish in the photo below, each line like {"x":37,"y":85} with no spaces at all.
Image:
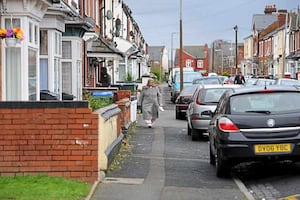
{"x":109,"y":14}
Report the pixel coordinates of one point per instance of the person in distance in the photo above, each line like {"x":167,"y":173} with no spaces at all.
{"x":150,"y":101}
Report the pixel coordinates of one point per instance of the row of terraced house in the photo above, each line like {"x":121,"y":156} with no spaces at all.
{"x":66,"y":44}
{"x":273,"y":48}
{"x":62,"y":46}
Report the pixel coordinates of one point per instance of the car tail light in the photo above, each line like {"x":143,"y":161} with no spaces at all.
{"x":227,"y":125}
{"x":195,"y":118}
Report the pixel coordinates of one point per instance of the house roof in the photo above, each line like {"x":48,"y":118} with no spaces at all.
{"x":197,"y":52}
{"x":99,"y":47}
{"x":262,"y":21}
{"x":155,"y":52}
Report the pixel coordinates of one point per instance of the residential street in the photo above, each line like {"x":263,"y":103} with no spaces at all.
{"x":166,"y":164}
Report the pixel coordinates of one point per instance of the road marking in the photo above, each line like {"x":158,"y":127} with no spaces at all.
{"x":243,"y":188}
{"x":293,"y":197}
{"x":131,"y":181}
{"x":169,"y":158}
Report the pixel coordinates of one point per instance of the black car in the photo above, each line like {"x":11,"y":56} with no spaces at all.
{"x":255,"y":124}
{"x":183,"y":100}
{"x":207,"y":80}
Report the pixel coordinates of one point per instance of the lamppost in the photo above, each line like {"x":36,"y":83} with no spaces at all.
{"x":222,"y":62}
{"x":236,"y":49}
{"x":180,"y":55}
{"x":284,"y":68}
{"x":172,"y":36}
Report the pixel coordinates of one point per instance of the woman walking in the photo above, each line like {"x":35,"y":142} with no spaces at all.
{"x":150,"y":101}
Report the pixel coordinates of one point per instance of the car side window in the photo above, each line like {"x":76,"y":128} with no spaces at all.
{"x":220,"y":105}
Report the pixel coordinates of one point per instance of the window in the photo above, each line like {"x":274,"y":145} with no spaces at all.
{"x":32,"y":76}
{"x":78,"y":79}
{"x":30,"y":33}
{"x":188,"y":63}
{"x":13,"y":74}
{"x":67,"y":50}
{"x":199,"y":63}
{"x":67,"y":66}
{"x":67,"y":77}
{"x":44,"y":74}
{"x":43,"y":42}
{"x":57,"y":43}
{"x":33,"y":33}
{"x":12,"y":66}
{"x":11,"y":23}
{"x":57,"y":75}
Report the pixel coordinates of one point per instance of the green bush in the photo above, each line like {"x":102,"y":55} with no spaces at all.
{"x":96,"y":102}
{"x":99,"y":102}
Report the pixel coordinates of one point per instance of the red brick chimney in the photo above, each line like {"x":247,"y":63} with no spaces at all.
{"x":281,"y":17}
{"x":269,"y":9}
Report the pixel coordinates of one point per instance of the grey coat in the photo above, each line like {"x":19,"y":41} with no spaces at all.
{"x":150,"y":100}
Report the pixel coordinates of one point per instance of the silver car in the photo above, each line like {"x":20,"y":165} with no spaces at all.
{"x":205,"y":99}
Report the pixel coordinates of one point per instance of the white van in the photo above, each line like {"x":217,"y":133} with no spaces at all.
{"x":173,"y":72}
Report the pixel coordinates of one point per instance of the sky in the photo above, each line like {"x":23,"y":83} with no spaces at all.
{"x":203,"y":21}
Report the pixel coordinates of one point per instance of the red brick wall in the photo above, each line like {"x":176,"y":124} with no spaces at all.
{"x":56,"y":139}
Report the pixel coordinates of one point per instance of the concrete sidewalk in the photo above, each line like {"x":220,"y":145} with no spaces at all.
{"x":143,"y":174}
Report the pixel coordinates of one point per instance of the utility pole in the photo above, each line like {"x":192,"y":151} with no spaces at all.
{"x":222,"y":62}
{"x":236,"y":49}
{"x":284,"y":69}
{"x":172,"y":61}
{"x":180,"y":55}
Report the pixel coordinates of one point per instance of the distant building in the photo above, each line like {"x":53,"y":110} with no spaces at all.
{"x":196,"y":57}
{"x":158,"y":56}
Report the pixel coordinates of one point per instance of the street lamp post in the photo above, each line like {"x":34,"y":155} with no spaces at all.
{"x":222,"y":62}
{"x":236,"y":49}
{"x":172,"y":36}
{"x":284,"y":68}
{"x":180,"y":55}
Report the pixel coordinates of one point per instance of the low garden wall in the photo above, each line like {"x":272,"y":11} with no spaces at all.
{"x":62,"y":138}
{"x":110,"y":136}
{"x":53,"y":138}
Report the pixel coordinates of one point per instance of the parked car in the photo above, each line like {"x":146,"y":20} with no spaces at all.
{"x":259,"y":81}
{"x":205,"y":98}
{"x":255,"y":124}
{"x":183,"y":100}
{"x":229,"y":80}
{"x":286,"y":81}
{"x":205,"y":80}
{"x":188,"y":77}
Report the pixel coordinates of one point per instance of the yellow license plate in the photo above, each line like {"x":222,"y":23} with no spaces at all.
{"x":272,"y":148}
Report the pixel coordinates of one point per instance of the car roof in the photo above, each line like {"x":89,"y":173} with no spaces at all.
{"x":221,"y":86}
{"x":254,"y":89}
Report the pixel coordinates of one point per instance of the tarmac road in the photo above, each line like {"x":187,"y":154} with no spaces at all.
{"x":165,"y":164}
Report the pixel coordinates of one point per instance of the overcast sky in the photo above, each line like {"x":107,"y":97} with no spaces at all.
{"x":203,"y":20}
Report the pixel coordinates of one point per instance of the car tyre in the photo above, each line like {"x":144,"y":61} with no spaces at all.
{"x":222,"y":167}
{"x":212,"y":158}
{"x":189,"y":130}
{"x":194,"y":134}
{"x":177,"y":115}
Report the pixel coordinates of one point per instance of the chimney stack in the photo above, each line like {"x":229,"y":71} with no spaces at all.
{"x":269,"y":9}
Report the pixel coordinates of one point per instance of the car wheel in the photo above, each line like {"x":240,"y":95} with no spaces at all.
{"x":222,"y":167}
{"x":177,"y":115}
{"x":195,"y":134}
{"x":189,"y":130}
{"x":212,"y":158}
